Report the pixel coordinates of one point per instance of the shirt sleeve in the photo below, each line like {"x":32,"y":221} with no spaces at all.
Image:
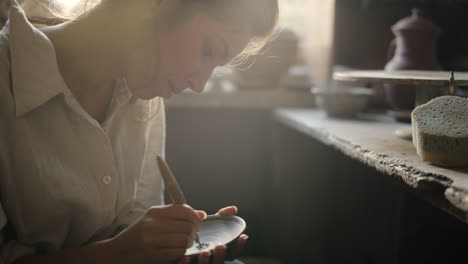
{"x":150,"y":186}
{"x":4,"y":10}
{"x":11,"y":250}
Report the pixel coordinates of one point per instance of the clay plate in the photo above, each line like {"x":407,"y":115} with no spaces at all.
{"x":217,"y":230}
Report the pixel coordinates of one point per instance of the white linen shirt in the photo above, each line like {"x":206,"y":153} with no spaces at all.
{"x":65,"y":179}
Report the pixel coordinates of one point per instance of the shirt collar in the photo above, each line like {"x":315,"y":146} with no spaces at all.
{"x":35,"y":74}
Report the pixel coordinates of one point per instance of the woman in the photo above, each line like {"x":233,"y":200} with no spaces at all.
{"x":82,"y":121}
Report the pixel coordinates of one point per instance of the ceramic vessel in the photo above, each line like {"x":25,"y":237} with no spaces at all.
{"x":217,"y":230}
{"x":343,"y":103}
{"x":414,"y":48}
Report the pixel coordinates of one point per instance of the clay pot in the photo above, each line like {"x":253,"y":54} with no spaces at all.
{"x":414,"y":48}
{"x":269,"y":66}
{"x":342,"y":103}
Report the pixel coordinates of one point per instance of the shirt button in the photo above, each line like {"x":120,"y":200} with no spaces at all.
{"x":106,"y":180}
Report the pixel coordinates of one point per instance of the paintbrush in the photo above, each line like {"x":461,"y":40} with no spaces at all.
{"x":176,"y":194}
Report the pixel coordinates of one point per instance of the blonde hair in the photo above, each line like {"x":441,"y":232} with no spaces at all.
{"x":258,"y":17}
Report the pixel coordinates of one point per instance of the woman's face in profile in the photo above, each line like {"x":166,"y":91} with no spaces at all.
{"x":185,"y":56}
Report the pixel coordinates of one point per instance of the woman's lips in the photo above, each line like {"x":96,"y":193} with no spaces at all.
{"x":173,"y":88}
{"x":191,"y":85}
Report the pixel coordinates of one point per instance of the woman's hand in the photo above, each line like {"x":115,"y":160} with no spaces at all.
{"x":162,"y":235}
{"x":221,"y":252}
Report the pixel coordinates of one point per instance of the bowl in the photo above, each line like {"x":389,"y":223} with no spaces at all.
{"x":217,"y":230}
{"x":344,"y":103}
{"x":296,"y":79}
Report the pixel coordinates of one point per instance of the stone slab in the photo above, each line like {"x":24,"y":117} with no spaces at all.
{"x":371,"y":139}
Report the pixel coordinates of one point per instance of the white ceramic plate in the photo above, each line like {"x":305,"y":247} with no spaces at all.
{"x":217,"y":230}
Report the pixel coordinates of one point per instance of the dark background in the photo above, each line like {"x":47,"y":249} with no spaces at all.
{"x":362,"y":30}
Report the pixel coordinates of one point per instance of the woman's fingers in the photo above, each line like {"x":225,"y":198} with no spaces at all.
{"x":236,"y":249}
{"x":201,"y":214}
{"x":162,"y":235}
{"x":185,"y":260}
{"x":230,"y":210}
{"x":172,"y":226}
{"x":168,"y":255}
{"x":180,"y":241}
{"x":175,"y":212}
{"x":204,"y":258}
{"x":219,"y":254}
{"x":167,"y":226}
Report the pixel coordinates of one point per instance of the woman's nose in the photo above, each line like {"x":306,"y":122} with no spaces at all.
{"x":198,"y":84}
